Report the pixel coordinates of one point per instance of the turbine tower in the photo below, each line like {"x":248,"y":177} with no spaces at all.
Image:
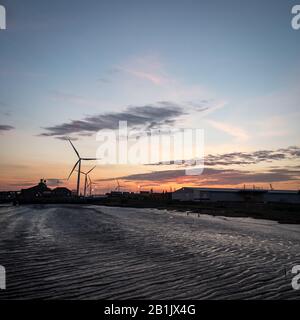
{"x":78,"y":163}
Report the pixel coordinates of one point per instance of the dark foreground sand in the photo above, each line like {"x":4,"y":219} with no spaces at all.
{"x":92,"y":252}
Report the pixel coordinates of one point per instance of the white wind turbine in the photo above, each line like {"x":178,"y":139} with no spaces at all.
{"x":86,"y":179}
{"x":90,"y":185}
{"x":78,"y":163}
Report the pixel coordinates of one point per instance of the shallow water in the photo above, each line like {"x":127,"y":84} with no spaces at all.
{"x":93,"y":252}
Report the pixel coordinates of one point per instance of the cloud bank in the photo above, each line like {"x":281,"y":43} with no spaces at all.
{"x":216,"y":171}
{"x":244,"y":158}
{"x":213,"y":176}
{"x":5,"y":128}
{"x":144,"y":117}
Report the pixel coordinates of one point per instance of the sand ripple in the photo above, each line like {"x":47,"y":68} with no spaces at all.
{"x":90,"y":252}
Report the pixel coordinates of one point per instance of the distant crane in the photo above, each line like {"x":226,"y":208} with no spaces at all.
{"x":78,"y":163}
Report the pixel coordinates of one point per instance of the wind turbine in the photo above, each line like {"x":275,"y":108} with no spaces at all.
{"x":86,"y":179}
{"x":79,"y":166}
{"x":118,"y":187}
{"x":90,"y":185}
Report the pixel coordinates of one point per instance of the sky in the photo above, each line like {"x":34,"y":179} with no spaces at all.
{"x":72,"y":69}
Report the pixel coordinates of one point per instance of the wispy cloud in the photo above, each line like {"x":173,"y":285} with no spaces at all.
{"x":244,"y":158}
{"x":214,"y":176}
{"x":147,"y":116}
{"x":233,"y":130}
{"x":54,"y":182}
{"x":152,"y":77}
{"x":218,"y":172}
{"x":4,"y":127}
{"x":66,"y":138}
{"x":149,"y":69}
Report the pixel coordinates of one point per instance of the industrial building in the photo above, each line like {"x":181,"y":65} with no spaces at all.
{"x":282,"y":196}
{"x":235,"y":195}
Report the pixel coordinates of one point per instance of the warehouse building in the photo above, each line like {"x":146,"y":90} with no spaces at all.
{"x":235,"y":195}
{"x":282,"y":196}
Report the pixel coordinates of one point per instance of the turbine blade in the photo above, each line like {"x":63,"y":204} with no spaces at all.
{"x":74,"y":149}
{"x":91,"y":170}
{"x":80,"y":172}
{"x":90,"y":159}
{"x":73,"y":169}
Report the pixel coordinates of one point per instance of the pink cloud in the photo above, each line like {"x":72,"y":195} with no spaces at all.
{"x":152,"y":77}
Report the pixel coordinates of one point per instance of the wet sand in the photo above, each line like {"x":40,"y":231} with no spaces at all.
{"x":93,"y":252}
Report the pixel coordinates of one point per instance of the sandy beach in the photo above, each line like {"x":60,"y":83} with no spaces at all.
{"x":94,"y":252}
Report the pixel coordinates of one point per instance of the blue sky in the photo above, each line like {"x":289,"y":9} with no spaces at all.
{"x":64,"y":60}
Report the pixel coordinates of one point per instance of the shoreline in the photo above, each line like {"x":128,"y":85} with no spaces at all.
{"x":273,"y":214}
{"x":281,"y":212}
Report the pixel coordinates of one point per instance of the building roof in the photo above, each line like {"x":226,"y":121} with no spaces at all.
{"x":41,"y":187}
{"x":284,"y":191}
{"x":210,"y":189}
{"x":61,"y":189}
{"x":240,"y":190}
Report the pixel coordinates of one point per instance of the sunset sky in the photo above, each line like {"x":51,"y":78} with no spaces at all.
{"x":70,"y":68}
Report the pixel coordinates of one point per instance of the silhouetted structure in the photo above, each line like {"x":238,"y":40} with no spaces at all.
{"x":78,"y":163}
{"x":40,"y":190}
{"x":7,"y":196}
{"x":61,"y":192}
{"x":235,"y":195}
